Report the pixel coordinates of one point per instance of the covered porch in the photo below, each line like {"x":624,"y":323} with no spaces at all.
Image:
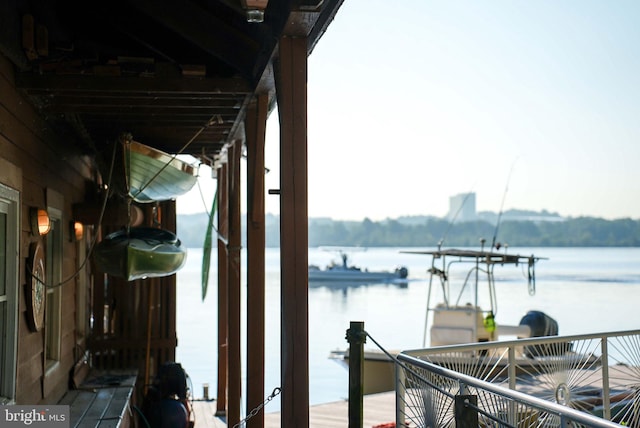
{"x":196,"y":78}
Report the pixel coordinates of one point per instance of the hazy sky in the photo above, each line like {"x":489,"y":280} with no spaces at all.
{"x":413,"y":101}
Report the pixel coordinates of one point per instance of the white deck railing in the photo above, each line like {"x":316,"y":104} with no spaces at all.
{"x":591,"y":375}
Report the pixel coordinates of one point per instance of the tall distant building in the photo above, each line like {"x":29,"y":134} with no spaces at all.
{"x":462,"y":207}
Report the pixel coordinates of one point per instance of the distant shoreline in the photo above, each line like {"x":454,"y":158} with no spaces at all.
{"x":417,"y":231}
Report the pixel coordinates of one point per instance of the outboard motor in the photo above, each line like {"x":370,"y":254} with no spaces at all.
{"x":403,"y":272}
{"x":166,"y":405}
{"x":542,"y":325}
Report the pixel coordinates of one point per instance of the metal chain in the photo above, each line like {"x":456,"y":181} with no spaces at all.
{"x":259,"y":407}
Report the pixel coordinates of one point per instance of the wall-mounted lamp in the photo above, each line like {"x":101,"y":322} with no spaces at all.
{"x":255,"y":15}
{"x":76,"y":230}
{"x":254,"y":9}
{"x":40,"y":222}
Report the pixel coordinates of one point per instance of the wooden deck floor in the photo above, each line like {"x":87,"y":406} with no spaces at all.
{"x":378,"y":409}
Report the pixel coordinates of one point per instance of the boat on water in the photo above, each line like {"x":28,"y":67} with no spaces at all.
{"x":140,"y":252}
{"x":344,"y":272}
{"x":456,"y":321}
{"x":153,"y":175}
{"x":468,"y":274}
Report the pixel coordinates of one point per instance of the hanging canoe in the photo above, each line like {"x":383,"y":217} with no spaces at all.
{"x":143,"y":252}
{"x":153,"y":175}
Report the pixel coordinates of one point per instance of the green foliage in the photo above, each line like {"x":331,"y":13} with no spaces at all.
{"x":571,"y":232}
{"x":577,"y":232}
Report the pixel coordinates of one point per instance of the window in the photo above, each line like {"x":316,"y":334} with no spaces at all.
{"x":9,"y":230}
{"x":53,"y":271}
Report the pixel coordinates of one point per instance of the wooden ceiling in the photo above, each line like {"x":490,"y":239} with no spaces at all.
{"x":176,"y":75}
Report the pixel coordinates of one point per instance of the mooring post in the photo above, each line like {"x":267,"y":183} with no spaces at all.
{"x":356,"y":336}
{"x":466,"y":414}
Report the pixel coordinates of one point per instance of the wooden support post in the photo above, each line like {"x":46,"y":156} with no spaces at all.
{"x":255,"y":130}
{"x":356,"y":336}
{"x":223,"y":236}
{"x":291,"y":83}
{"x":235,"y":364}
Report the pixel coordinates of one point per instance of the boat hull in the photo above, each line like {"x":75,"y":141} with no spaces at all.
{"x":380,"y":374}
{"x":345,"y":275}
{"x":142,"y":253}
{"x":154,"y":175}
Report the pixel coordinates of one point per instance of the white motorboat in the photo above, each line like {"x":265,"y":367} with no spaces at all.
{"x":455,"y":322}
{"x":345,"y":273}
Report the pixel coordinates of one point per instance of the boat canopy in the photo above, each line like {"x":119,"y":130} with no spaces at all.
{"x":489,"y":257}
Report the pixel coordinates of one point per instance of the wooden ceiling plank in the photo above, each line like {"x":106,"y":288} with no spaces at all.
{"x":205,"y":30}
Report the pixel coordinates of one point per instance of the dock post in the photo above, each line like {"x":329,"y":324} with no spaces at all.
{"x":356,"y":336}
{"x":466,"y":415}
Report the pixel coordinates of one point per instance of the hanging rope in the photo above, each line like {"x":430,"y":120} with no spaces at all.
{"x":95,"y":235}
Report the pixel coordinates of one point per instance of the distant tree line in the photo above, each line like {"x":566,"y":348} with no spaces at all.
{"x":428,"y":231}
{"x":575,"y":232}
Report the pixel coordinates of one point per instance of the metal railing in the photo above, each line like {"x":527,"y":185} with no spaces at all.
{"x":440,"y":397}
{"x":591,"y":375}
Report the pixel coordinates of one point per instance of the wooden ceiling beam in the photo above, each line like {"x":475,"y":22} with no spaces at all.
{"x":171,"y":131}
{"x":141,"y":111}
{"x":48,"y":84}
{"x":163,"y":128}
{"x":151,"y":101}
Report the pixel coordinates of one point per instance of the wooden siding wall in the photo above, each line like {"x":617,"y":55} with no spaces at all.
{"x":33,"y":160}
{"x":41,"y":161}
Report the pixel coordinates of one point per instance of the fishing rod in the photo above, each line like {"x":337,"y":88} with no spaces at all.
{"x":504,"y":196}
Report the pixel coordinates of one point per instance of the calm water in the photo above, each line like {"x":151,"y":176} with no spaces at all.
{"x":585,"y":290}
